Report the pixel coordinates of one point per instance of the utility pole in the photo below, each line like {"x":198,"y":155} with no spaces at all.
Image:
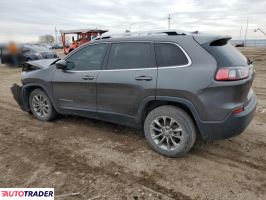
{"x":55,"y":30}
{"x":246,"y":32}
{"x":240,"y":35}
{"x":169,"y":21}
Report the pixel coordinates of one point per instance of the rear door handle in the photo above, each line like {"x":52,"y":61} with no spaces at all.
{"x":88,"y":77}
{"x":143,"y":78}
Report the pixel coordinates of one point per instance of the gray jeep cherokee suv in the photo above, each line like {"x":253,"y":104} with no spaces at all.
{"x":175,"y":85}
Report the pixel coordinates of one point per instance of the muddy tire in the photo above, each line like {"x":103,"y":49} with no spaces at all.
{"x":170,"y":131}
{"x":41,"y":106}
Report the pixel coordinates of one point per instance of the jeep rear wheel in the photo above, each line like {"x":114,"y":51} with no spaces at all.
{"x":170,"y":131}
{"x":41,"y":106}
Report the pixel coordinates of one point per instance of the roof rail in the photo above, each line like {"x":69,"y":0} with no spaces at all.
{"x":142,"y":33}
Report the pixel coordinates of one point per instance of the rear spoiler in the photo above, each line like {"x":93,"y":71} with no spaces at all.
{"x":213,"y":40}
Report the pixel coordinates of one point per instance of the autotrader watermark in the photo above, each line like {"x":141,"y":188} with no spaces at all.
{"x":26,"y":193}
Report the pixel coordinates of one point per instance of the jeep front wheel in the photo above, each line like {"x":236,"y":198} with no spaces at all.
{"x":41,"y":106}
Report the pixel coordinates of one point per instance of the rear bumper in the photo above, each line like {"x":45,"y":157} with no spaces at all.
{"x":232,"y":126}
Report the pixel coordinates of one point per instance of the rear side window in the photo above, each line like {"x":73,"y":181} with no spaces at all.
{"x":225,"y":54}
{"x":168,"y":54}
{"x":129,"y":55}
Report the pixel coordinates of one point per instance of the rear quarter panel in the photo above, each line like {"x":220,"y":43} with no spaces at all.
{"x":189,"y":82}
{"x":213,"y":100}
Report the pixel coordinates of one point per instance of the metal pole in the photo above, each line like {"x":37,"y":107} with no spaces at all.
{"x":240,"y":33}
{"x":55,"y":34}
{"x":169,"y":23}
{"x":246,"y":32}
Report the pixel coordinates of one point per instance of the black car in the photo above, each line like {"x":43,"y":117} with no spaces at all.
{"x":57,"y":46}
{"x":26,"y":52}
{"x":37,"y":52}
{"x":174,"y":85}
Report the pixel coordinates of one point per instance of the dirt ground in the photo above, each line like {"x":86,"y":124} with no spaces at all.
{"x":99,"y":160}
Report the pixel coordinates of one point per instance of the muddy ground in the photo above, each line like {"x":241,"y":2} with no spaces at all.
{"x":99,"y":160}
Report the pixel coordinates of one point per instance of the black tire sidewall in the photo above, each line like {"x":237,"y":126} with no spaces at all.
{"x":183,"y":119}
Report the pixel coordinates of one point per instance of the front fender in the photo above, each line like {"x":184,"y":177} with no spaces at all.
{"x":21,"y":94}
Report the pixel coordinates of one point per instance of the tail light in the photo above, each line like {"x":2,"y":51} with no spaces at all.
{"x":232,"y":73}
{"x":238,"y":110}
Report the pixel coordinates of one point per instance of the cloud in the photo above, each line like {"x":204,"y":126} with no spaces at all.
{"x":25,"y":20}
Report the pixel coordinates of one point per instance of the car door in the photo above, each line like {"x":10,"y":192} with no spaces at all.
{"x":128,"y":78}
{"x":75,"y":87}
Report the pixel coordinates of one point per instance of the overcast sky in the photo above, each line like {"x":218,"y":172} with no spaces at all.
{"x":25,"y":20}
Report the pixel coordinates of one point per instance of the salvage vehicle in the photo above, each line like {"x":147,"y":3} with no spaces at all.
{"x":82,"y":36}
{"x":173,"y":85}
{"x":37,"y":52}
{"x":26,"y":52}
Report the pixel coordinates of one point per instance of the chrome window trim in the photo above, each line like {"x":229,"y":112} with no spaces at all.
{"x":135,"y":69}
{"x":139,"y":69}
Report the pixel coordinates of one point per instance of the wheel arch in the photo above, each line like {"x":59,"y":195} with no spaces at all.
{"x":151,"y":103}
{"x":28,"y":88}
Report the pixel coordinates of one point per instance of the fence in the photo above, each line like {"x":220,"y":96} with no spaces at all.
{"x":250,"y":43}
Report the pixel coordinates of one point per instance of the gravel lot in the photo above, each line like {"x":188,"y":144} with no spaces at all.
{"x":99,"y":160}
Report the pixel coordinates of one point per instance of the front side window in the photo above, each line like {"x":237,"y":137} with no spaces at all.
{"x":88,"y":58}
{"x":129,"y":55}
{"x":168,"y":54}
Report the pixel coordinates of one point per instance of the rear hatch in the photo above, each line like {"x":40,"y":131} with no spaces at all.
{"x":233,"y":79}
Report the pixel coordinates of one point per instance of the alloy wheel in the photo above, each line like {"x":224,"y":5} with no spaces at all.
{"x":166,"y":133}
{"x":40,"y":105}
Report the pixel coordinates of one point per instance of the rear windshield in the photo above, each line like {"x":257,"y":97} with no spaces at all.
{"x":226,"y":55}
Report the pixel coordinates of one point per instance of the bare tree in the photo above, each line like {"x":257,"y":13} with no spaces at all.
{"x":46,"y":39}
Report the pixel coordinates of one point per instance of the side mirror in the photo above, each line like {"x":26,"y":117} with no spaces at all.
{"x":61,"y":64}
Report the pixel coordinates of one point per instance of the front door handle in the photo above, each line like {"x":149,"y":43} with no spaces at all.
{"x":88,"y":77}
{"x":143,"y":78}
